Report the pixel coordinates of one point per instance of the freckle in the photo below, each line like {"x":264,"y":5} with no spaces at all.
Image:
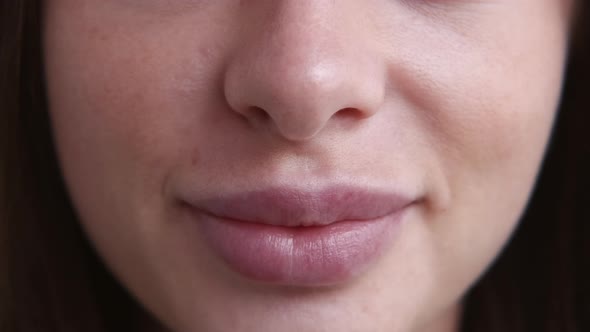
{"x":195,"y":157}
{"x":95,"y":32}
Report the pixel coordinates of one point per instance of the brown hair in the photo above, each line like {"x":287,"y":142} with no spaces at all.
{"x":53,"y":281}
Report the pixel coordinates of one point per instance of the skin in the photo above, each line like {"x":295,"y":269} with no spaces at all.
{"x":454,"y":100}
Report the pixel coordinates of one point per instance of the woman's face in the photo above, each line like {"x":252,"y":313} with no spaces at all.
{"x":273,"y":165}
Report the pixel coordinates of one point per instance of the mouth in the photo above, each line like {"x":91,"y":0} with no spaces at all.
{"x":283,"y":235}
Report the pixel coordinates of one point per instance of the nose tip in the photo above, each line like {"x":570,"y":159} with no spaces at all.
{"x":299,"y":101}
{"x":297,"y":81}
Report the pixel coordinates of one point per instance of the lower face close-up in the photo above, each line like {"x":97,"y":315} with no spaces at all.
{"x":274,"y":165}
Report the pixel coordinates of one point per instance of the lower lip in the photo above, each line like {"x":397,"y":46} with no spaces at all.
{"x":299,"y":256}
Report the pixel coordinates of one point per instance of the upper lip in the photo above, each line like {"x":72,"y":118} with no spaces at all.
{"x":289,"y":207}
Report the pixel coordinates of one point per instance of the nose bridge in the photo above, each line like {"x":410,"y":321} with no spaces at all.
{"x":301,"y":68}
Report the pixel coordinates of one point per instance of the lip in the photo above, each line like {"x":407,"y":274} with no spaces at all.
{"x":289,"y":207}
{"x":289,"y":236}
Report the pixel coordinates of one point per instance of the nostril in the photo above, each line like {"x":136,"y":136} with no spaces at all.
{"x":255,"y":115}
{"x":351,"y":113}
{"x":258,"y":114}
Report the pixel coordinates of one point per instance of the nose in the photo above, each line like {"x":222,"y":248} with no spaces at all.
{"x":302,"y":67}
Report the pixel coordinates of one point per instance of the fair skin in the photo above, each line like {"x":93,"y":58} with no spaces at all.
{"x":452,"y":101}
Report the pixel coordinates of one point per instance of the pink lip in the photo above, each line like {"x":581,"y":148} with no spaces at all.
{"x":301,"y":238}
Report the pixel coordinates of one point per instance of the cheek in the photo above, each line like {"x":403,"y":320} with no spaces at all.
{"x":485,"y":108}
{"x":486,"y":101}
{"x":123,"y":88}
{"x":122,"y":100}
{"x":122,"y":107}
